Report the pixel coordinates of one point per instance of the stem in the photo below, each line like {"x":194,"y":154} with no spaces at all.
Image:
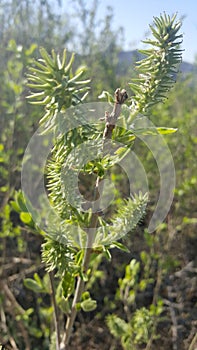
{"x":120,"y":97}
{"x":15,"y":309}
{"x":56,"y":318}
{"x":191,"y":347}
{"x":77,"y":296}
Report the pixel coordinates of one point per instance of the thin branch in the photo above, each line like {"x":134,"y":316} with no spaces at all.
{"x":10,"y":296}
{"x":14,"y":309}
{"x":110,"y":119}
{"x":193,"y":343}
{"x":155,"y":298}
{"x":56,"y":318}
{"x":24,"y":273}
{"x":6,"y":330}
{"x":174,"y":325}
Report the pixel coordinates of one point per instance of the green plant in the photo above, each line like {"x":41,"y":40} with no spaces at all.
{"x":139,"y":330}
{"x":73,"y":241}
{"x":138,"y":325}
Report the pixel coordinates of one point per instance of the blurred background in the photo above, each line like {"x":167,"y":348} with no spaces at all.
{"x":105,"y":36}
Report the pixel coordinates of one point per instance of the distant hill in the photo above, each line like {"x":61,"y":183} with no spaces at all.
{"x":128,"y":58}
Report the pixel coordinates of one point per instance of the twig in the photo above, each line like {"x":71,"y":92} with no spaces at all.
{"x":174,"y":326}
{"x":110,"y":119}
{"x":24,"y":273}
{"x":6,"y":330}
{"x":16,"y":309}
{"x":174,"y":305}
{"x":56,"y":318}
{"x":193,"y":343}
{"x":10,"y":296}
{"x":157,"y":285}
{"x":155,"y":298}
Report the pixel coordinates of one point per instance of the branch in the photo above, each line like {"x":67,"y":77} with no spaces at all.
{"x":10,"y":296}
{"x":110,"y":119}
{"x":56,"y":318}
{"x":174,"y":325}
{"x":6,"y":330}
{"x":16,"y":309}
{"x":193,"y":343}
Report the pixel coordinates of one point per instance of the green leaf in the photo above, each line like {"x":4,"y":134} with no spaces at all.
{"x":187,"y":220}
{"x":105,"y":95}
{"x":20,"y":201}
{"x":166,"y":131}
{"x":64,"y":305}
{"x":33,"y":285}
{"x":37,"y":333}
{"x":144,"y":257}
{"x":15,"y":206}
{"x":85,"y":296}
{"x":38,"y":280}
{"x":88,"y":305}
{"x":120,"y":246}
{"x":107,"y":254}
{"x":117,"y":326}
{"x":154,"y":131}
{"x":49,"y":61}
{"x":25,"y":217}
{"x":4,"y":188}
{"x":68,"y":285}
{"x":31,"y":49}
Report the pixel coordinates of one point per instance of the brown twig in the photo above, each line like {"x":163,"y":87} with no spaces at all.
{"x":16,"y":309}
{"x":193,"y":343}
{"x":174,"y":325}
{"x":6,"y":331}
{"x":155,"y":298}
{"x":111,"y":118}
{"x":24,"y":273}
{"x":10,"y":296}
{"x":110,"y":122}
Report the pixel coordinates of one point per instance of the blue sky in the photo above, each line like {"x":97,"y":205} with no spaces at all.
{"x":135,"y":15}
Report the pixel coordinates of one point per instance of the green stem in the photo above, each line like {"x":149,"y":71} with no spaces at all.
{"x":80,"y":285}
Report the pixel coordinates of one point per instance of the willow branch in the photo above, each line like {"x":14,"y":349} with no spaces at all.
{"x":56,"y":318}
{"x":110,"y":122}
